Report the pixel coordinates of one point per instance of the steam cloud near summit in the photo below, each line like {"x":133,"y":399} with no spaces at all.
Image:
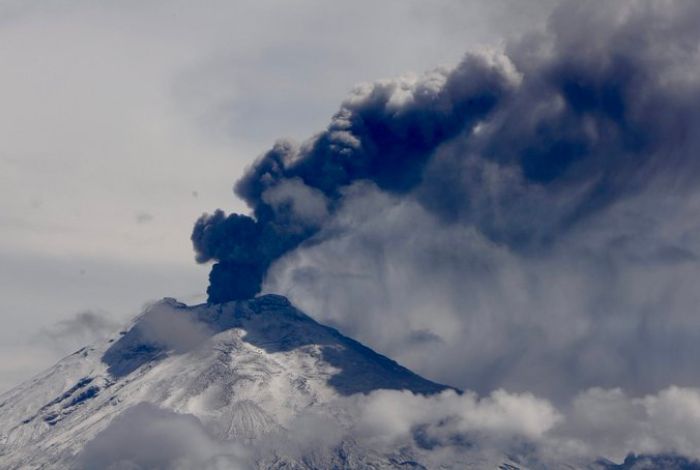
{"x":531,"y":210}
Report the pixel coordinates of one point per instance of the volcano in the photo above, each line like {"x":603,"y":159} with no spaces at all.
{"x":242,"y":370}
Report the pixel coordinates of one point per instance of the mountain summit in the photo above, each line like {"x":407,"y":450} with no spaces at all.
{"x":257,"y":384}
{"x":236,"y":371}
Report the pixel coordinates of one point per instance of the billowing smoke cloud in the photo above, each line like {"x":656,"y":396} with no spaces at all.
{"x":384,"y":133}
{"x":527,"y":217}
{"x":582,"y":115}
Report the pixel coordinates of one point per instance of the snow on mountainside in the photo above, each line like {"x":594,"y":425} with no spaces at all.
{"x":244,"y":369}
{"x":257,"y":384}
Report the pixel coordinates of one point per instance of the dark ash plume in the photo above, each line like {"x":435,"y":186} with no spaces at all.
{"x":385,"y":133}
{"x":596,"y":108}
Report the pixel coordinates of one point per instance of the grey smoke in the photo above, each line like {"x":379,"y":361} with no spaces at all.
{"x":531,"y":210}
{"x":385,"y":133}
{"x":553,"y":247}
{"x":76,"y":331}
{"x":143,"y":217}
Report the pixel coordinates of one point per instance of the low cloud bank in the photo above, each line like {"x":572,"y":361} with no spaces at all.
{"x":446,"y":429}
{"x":148,"y":437}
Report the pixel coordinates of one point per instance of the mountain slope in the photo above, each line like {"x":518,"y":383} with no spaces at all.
{"x":257,"y":384}
{"x":244,"y":370}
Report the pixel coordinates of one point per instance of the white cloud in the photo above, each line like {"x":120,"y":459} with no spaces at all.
{"x":175,"y":329}
{"x":390,"y":415}
{"x":447,"y":429}
{"x":148,"y":437}
{"x":611,"y":424}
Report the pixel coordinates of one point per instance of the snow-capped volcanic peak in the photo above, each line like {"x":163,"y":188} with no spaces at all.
{"x":243,"y":369}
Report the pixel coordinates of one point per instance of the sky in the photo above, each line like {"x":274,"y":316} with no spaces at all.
{"x":122,"y":122}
